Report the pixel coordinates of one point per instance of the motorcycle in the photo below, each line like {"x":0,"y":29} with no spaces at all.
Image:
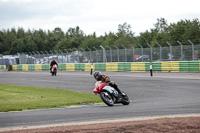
{"x":110,"y":95}
{"x":54,"y":70}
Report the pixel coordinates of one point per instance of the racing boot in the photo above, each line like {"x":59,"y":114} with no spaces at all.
{"x":119,"y":91}
{"x":116,"y":87}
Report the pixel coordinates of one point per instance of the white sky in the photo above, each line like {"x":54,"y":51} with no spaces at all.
{"x":100,"y":16}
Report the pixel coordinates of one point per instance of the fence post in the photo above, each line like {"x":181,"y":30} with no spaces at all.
{"x":181,"y":50}
{"x":62,"y":54}
{"x":150,"y":51}
{"x":51,"y":53}
{"x":192,"y":49}
{"x":78,"y":55}
{"x":47,"y":55}
{"x":90,"y":54}
{"x":125,"y":52}
{"x":42,"y":53}
{"x":70,"y":56}
{"x":141,"y":51}
{"x":104,"y":54}
{"x":117,"y":52}
{"x":39,"y":56}
{"x":83,"y":55}
{"x":160,"y":50}
{"x":57,"y":56}
{"x":96,"y":54}
{"x":31,"y":56}
{"x":170,"y":50}
{"x":30,"y":53}
{"x":34,"y":57}
{"x":67,"y":55}
{"x":110,"y":53}
{"x":133,"y":52}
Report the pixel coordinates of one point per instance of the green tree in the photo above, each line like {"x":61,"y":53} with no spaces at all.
{"x":9,"y":38}
{"x":92,"y":41}
{"x":183,"y":31}
{"x":124,"y":35}
{"x":161,"y":25}
{"x":76,"y":37}
{"x":13,"y":41}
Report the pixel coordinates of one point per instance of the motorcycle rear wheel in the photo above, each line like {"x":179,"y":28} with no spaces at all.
{"x":107,"y":98}
{"x":125,"y":99}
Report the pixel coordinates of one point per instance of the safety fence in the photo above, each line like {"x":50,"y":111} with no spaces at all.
{"x":171,"y":66}
{"x":107,"y":54}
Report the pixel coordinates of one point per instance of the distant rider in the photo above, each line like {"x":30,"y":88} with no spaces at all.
{"x":53,"y":62}
{"x":104,"y":78}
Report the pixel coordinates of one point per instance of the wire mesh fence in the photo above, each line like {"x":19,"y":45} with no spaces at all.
{"x":108,"y":54}
{"x":174,"y":53}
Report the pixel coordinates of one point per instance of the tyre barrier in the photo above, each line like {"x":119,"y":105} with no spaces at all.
{"x":2,"y":66}
{"x":172,"y":66}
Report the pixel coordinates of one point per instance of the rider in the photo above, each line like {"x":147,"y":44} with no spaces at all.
{"x":53,"y":62}
{"x":104,"y":78}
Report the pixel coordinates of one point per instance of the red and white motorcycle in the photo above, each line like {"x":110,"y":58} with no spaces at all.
{"x":110,"y":95}
{"x":54,"y":69}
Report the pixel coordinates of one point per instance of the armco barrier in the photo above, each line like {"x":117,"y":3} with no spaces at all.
{"x":38,"y":67}
{"x":79,"y":67}
{"x":31,"y":67}
{"x":156,"y":66}
{"x":100,"y":66}
{"x":70,"y":67}
{"x":19,"y":67}
{"x":24,"y":67}
{"x":124,"y":67}
{"x":61,"y":67}
{"x":14,"y":67}
{"x":88,"y":67}
{"x":2,"y":66}
{"x":45,"y":67}
{"x":111,"y":67}
{"x":171,"y":66}
{"x":192,"y":66}
{"x":138,"y":67}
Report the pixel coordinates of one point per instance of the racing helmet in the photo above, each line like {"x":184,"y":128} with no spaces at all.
{"x":97,"y":75}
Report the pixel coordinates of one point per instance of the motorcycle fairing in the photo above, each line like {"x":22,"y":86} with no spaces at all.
{"x":111,"y":90}
{"x":101,"y":86}
{"x":54,"y":66}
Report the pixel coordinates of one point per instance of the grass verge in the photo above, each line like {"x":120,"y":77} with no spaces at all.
{"x":18,"y":98}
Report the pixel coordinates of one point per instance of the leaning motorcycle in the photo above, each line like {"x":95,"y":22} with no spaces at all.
{"x":54,"y":70}
{"x":110,"y":95}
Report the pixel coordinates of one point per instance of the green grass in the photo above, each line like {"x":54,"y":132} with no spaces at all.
{"x":162,"y":118}
{"x":18,"y":98}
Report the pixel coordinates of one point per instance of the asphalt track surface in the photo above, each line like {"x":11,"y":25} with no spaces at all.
{"x":160,"y":95}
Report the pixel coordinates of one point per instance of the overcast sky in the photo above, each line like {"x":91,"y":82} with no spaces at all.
{"x":100,"y":16}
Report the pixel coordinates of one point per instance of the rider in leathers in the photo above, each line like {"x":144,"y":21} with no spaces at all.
{"x":104,"y":78}
{"x":53,"y":62}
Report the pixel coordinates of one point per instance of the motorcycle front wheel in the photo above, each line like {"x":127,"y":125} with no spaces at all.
{"x":55,"y":72}
{"x":107,"y":98}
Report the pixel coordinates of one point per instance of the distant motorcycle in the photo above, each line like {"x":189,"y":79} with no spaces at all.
{"x":54,"y":70}
{"x":110,"y":95}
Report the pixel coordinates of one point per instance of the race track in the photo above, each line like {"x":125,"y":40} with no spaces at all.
{"x":162,"y":94}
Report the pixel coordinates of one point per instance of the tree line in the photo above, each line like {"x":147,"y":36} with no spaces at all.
{"x":13,"y":41}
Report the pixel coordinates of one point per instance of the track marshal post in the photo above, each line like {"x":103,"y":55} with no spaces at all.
{"x":151,"y":72}
{"x":91,"y":68}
